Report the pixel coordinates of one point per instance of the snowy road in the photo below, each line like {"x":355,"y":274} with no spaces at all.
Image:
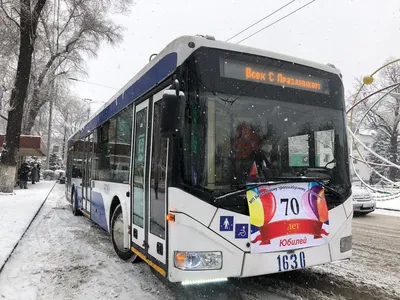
{"x":66,"y":257}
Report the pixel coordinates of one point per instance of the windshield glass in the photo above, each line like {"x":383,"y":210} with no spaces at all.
{"x":240,"y":131}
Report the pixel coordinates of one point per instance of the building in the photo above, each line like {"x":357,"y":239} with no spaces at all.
{"x":29,"y":146}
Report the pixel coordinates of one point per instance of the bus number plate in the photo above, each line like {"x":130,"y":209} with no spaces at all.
{"x":291,"y":261}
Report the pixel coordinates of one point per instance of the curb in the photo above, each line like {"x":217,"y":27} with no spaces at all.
{"x":29,"y":225}
{"x":390,"y":209}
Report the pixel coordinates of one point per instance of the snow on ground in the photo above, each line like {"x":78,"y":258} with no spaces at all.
{"x":372,"y":272}
{"x":16,"y":213}
{"x":393,"y":213}
{"x":393,"y":204}
{"x":66,"y":257}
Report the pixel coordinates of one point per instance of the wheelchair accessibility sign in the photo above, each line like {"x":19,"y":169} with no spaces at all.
{"x":241,"y":231}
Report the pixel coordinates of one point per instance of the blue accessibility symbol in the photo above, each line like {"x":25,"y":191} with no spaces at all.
{"x":226,"y":223}
{"x":241,"y":231}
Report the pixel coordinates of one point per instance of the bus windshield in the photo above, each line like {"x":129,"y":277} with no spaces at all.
{"x":241,"y":128}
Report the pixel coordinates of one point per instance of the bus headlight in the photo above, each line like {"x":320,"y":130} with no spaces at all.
{"x":345,"y":244}
{"x":198,"y":260}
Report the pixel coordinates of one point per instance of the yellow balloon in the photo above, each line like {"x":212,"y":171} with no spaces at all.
{"x":255,"y":208}
{"x":368,"y":79}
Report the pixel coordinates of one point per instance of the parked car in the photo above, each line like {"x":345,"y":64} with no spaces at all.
{"x":363,"y":203}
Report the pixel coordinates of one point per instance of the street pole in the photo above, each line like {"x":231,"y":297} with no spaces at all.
{"x":89,"y":101}
{"x":49,"y":128}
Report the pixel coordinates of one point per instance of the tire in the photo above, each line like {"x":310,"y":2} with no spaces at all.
{"x":117,"y":236}
{"x":75,"y":210}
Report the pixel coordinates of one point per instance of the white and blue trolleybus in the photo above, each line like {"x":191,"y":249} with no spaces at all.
{"x":219,"y":160}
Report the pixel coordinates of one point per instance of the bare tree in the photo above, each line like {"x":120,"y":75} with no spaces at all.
{"x":71,"y":30}
{"x":71,"y":113}
{"x":27,"y":24}
{"x":383,"y":116}
{"x":8,"y":58}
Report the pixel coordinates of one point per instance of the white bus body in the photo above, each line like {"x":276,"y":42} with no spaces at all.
{"x":197,"y":231}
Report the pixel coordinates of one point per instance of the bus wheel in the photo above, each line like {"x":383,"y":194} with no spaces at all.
{"x":75,"y":210}
{"x":117,"y":236}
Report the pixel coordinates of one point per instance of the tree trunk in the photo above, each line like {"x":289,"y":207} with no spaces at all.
{"x":36,"y":104}
{"x":18,"y":96}
{"x":32,"y":113}
{"x":393,"y":156}
{"x":65,"y":137}
{"x":8,"y":160}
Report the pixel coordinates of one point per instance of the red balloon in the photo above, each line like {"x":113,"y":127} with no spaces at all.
{"x":322,"y":208}
{"x":268,"y":202}
{"x":312,"y":199}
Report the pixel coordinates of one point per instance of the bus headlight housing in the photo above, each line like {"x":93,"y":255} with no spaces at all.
{"x":198,"y":260}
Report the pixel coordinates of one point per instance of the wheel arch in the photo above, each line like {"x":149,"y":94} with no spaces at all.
{"x":114,"y":204}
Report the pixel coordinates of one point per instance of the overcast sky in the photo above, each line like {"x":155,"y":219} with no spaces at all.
{"x":357,"y":36}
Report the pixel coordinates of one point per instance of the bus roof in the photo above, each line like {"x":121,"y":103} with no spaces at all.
{"x":172,"y":56}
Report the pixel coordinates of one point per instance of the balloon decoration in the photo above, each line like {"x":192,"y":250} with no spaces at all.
{"x":263,"y":206}
{"x":314,"y":204}
{"x":268,"y":202}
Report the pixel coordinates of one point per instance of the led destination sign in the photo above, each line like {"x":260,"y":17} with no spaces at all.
{"x":243,"y":71}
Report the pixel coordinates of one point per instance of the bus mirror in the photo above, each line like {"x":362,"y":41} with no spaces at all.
{"x":172,"y":114}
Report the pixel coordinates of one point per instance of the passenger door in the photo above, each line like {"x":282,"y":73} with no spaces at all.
{"x":139,"y":180}
{"x":156,"y":217}
{"x":87,"y":184}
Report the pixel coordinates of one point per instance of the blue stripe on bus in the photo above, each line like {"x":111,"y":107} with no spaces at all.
{"x":150,"y":79}
{"x":97,"y":210}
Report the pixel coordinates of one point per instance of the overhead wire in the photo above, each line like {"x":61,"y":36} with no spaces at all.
{"x":273,"y":23}
{"x":252,"y":25}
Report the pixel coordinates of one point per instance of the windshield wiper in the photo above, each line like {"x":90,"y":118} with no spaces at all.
{"x":324,"y":171}
{"x":317,"y":180}
{"x":250,"y":186}
{"x":280,"y":180}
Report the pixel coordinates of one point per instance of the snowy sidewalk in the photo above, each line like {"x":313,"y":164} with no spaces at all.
{"x":393,"y":204}
{"x":17,"y":212}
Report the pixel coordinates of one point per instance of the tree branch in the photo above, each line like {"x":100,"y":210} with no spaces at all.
{"x":47,"y":34}
{"x":66,"y":24}
{"x":36,"y":14}
{"x":7,"y":15}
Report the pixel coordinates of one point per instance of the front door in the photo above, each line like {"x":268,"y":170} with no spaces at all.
{"x":139,"y":181}
{"x":156,"y":224}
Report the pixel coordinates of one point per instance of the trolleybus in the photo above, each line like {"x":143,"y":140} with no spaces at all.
{"x":219,"y":160}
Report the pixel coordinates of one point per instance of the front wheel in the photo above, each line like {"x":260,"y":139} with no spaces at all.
{"x":117,"y":236}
